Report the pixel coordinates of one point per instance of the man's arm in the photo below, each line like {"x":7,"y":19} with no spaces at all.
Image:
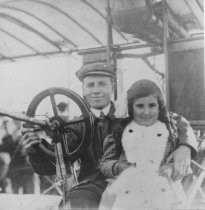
{"x":112,"y":162}
{"x":41,"y":162}
{"x":74,"y":135}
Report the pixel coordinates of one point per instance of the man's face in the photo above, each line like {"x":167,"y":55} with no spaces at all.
{"x":97,"y":91}
{"x":146,"y":110}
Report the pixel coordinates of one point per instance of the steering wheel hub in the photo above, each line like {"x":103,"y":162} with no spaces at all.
{"x":56,"y":123}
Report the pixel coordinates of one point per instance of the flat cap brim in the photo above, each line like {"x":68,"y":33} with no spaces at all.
{"x":95,"y":69}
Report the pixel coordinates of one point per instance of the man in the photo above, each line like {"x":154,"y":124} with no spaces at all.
{"x":98,"y":88}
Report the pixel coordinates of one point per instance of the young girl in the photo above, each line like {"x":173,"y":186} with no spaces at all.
{"x":146,"y":138}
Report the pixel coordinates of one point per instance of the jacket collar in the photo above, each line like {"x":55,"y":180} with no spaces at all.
{"x":110,"y":114}
{"x":97,"y":112}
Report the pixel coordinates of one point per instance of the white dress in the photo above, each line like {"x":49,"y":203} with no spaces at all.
{"x":141,"y":187}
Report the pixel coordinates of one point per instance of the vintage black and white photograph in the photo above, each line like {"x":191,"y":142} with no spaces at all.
{"x":102,"y":105}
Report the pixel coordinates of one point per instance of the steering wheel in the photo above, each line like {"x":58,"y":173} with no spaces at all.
{"x":57,"y":124}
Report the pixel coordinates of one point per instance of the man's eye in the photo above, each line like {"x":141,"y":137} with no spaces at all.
{"x":90,"y":85}
{"x":102,"y":84}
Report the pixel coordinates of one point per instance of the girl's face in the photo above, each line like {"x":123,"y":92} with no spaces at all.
{"x":146,"y":110}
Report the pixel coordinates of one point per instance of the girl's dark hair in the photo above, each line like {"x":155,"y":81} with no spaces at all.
{"x":143,"y":88}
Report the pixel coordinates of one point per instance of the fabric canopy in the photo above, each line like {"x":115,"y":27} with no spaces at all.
{"x":46,"y":27}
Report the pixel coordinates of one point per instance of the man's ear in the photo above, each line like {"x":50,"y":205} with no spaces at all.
{"x":113,"y":86}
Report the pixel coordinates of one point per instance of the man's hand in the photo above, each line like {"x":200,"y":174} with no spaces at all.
{"x":29,"y":139}
{"x":120,"y":166}
{"x":182,"y":159}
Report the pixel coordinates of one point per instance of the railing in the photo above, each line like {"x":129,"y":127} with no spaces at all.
{"x":198,"y":124}
{"x":199,"y":164}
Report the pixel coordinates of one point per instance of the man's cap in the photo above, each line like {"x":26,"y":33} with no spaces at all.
{"x":95,"y":69}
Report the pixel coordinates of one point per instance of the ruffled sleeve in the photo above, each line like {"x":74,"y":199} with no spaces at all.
{"x":185,"y":133}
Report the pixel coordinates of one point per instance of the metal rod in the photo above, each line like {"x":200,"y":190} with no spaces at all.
{"x":118,"y":48}
{"x":36,"y":55}
{"x":166,"y":53}
{"x":21,"y":117}
{"x":101,"y":15}
{"x":143,"y":55}
{"x":174,"y":25}
{"x":2,"y":55}
{"x":61,"y":170}
{"x":109,"y":46}
{"x":54,"y":185}
{"x":78,"y":120}
{"x":200,"y":4}
{"x":53,"y":102}
{"x":131,"y":46}
{"x":198,"y":16}
{"x":115,"y":72}
{"x":152,"y":67}
{"x":75,"y":178}
{"x":109,"y":34}
{"x":198,"y":165}
{"x":197,"y":122}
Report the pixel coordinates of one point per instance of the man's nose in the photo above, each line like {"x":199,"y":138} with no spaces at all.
{"x":96,"y":90}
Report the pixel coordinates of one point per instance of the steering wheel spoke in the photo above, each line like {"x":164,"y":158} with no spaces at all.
{"x":53,"y":101}
{"x":76,"y":121}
